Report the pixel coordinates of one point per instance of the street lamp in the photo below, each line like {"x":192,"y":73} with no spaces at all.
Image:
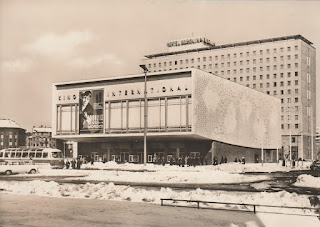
{"x":145,"y":70}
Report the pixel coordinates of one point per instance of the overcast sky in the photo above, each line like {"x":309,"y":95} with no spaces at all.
{"x":42,"y":41}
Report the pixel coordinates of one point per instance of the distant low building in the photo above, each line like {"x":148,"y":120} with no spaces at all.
{"x":11,"y":134}
{"x":42,"y":137}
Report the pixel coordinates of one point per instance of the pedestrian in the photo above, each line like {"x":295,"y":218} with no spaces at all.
{"x":225,"y":159}
{"x":235,"y":160}
{"x":73,"y":163}
{"x":215,"y":160}
{"x":222,"y":160}
{"x":243,"y":160}
{"x":67,"y":164}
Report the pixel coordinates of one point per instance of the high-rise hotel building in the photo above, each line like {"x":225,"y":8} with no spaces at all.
{"x":284,"y":67}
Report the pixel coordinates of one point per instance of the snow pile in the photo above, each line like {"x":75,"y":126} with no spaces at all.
{"x":306,"y":180}
{"x":114,"y":192}
{"x":198,"y":177}
{"x":232,"y":167}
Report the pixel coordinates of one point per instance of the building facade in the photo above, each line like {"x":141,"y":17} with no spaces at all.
{"x":189,"y":113}
{"x":42,"y":137}
{"x":11,"y":134}
{"x":283,"y":67}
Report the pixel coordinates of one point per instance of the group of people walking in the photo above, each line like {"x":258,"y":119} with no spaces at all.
{"x":74,"y":163}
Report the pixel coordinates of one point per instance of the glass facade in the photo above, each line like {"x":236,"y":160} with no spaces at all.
{"x":127,"y":116}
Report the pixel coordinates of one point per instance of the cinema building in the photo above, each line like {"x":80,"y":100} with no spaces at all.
{"x":189,"y":113}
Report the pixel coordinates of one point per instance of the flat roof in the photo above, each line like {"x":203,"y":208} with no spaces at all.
{"x":101,"y":81}
{"x":230,"y":45}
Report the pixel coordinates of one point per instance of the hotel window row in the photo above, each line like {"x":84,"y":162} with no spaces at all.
{"x":222,"y":64}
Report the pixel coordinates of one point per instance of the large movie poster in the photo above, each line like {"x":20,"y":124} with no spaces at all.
{"x":91,"y":111}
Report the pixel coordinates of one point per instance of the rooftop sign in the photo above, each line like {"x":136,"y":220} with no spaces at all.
{"x":183,"y":42}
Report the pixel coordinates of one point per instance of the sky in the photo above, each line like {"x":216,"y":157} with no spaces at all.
{"x":48,"y":41}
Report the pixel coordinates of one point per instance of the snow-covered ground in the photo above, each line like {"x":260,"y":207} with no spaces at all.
{"x":230,"y":167}
{"x":225,"y":173}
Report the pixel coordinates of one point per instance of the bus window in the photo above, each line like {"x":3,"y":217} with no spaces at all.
{"x":38,"y":154}
{"x":25,"y":154}
{"x":13,"y":154}
{"x":32,"y":154}
{"x":56,"y":155}
{"x":18,"y":154}
{"x":6,"y":154}
{"x":1,"y":154}
{"x":45,"y":154}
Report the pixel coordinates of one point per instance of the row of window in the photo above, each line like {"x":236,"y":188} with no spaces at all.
{"x":268,"y":76}
{"x":296,"y":126}
{"x":223,"y":64}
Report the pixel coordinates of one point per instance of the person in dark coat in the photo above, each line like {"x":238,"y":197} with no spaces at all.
{"x":225,"y":159}
{"x":222,"y":160}
{"x":67,"y":164}
{"x":243,"y":160}
{"x":215,"y":160}
{"x":73,"y":164}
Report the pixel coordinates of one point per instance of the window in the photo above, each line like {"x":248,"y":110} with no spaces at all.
{"x":289,"y":57}
{"x":281,"y":58}
{"x":204,"y":59}
{"x":274,"y":84}
{"x":281,"y":83}
{"x":308,"y":78}
{"x":281,"y":92}
{"x":274,"y":92}
{"x":288,"y":48}
{"x":268,"y":51}
{"x":289,"y":66}
{"x":216,"y":57}
{"x":241,"y":78}
{"x":268,"y":76}
{"x":181,"y":62}
{"x":296,"y":99}
{"x":274,"y":59}
{"x":308,"y":94}
{"x":261,"y":77}
{"x":261,"y":52}
{"x":289,"y":92}
{"x":248,"y":78}
{"x":254,"y":61}
{"x":296,"y":117}
{"x":254,"y":86}
{"x":198,"y":59}
{"x":296,"y":82}
{"x":254,"y":77}
{"x":296,"y":91}
{"x":210,"y":58}
{"x":296,"y":125}
{"x":296,"y":56}
{"x":289,"y":74}
{"x":261,"y":85}
{"x":281,"y":49}
{"x":268,"y":84}
{"x":296,"y":65}
{"x":295,"y":47}
{"x":274,"y":76}
{"x":282,"y":126}
{"x":296,"y":74}
{"x":275,"y":50}
{"x":235,"y":55}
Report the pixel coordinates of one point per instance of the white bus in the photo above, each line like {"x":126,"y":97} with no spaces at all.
{"x":41,"y":156}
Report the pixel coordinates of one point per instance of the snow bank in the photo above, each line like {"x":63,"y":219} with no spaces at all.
{"x":306,"y":180}
{"x":231,"y":167}
{"x":115,"y":192}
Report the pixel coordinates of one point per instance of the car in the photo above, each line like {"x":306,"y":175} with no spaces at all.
{"x":315,"y":165}
{"x":16,"y":167}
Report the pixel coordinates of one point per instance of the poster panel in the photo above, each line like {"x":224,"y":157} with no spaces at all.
{"x":91,"y":111}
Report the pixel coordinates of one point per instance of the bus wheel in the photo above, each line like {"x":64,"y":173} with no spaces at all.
{"x":33,"y":171}
{"x":8,"y":172}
